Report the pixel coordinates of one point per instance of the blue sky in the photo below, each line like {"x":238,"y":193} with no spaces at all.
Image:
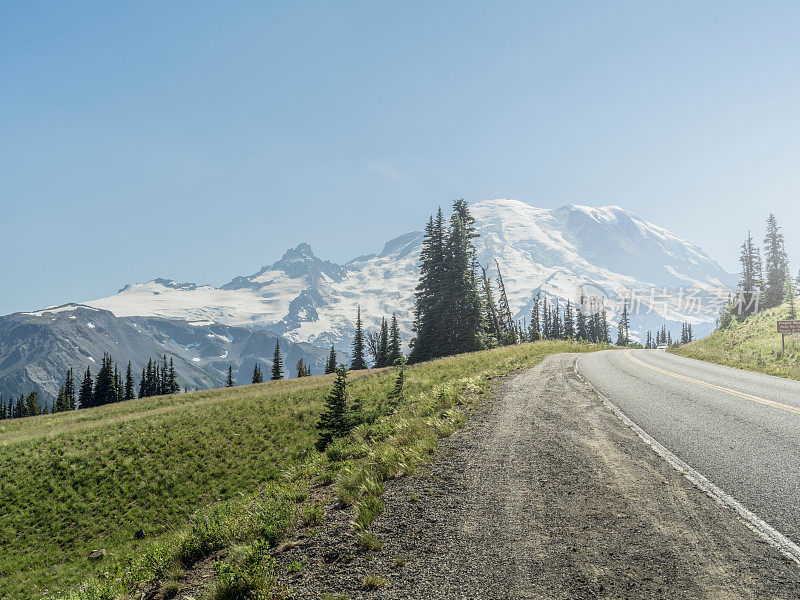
{"x":197,"y":141}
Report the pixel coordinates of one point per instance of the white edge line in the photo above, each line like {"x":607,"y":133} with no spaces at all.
{"x":762,"y":528}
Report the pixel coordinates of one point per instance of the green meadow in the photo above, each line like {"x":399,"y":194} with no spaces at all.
{"x":206,"y":470}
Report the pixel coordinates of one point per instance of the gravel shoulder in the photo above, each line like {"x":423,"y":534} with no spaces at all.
{"x":545,"y":494}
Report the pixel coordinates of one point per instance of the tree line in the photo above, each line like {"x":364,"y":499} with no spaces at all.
{"x":106,"y":388}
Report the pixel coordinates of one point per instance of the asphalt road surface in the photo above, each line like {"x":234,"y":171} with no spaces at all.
{"x":741,"y":430}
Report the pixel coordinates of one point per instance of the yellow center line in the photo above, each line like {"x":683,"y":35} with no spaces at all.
{"x":778,"y":405}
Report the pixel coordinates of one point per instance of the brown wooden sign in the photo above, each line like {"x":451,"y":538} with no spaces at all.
{"x":788,"y":326}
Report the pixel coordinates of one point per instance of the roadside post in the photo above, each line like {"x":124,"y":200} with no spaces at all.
{"x":785,"y":327}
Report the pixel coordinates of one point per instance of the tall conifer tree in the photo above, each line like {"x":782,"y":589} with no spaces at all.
{"x":330,"y":365}
{"x":775,"y":265}
{"x":395,"y":344}
{"x":277,"y":362}
{"x":358,"y":363}
{"x":85,"y":394}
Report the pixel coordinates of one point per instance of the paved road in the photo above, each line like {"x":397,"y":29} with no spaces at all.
{"x":739,"y":429}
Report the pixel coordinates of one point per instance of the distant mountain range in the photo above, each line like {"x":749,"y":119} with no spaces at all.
{"x":37,"y":348}
{"x":307,"y":300}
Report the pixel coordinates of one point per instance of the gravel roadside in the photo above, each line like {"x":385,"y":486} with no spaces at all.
{"x":545,"y":494}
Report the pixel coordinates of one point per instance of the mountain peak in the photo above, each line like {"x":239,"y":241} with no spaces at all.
{"x":302,"y":251}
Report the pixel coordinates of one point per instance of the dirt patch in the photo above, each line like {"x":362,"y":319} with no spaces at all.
{"x":544,"y":494}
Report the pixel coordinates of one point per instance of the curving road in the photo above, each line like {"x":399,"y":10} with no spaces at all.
{"x":741,"y":430}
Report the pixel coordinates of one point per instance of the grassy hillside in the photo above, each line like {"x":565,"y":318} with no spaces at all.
{"x":199,"y":471}
{"x":752,"y":344}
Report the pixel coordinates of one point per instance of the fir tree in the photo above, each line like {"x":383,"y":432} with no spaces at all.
{"x":334,"y":421}
{"x":776,"y":265}
{"x":229,"y":381}
{"x":582,"y":332}
{"x":358,"y":363}
{"x":535,"y":330}
{"x":60,"y":404}
{"x":751,"y":284}
{"x":397,"y":395}
{"x":330,"y":365}
{"x":555,"y":322}
{"x":69,"y":389}
{"x":257,"y":376}
{"x":429,"y":292}
{"x":32,"y":405}
{"x":85,"y":394}
{"x":506,"y":320}
{"x":790,"y":295}
{"x":277,"y":362}
{"x":395,"y":344}
{"x":104,"y":386}
{"x":623,"y":336}
{"x":569,"y":322}
{"x":491,"y":319}
{"x":382,"y":356}
{"x":605,"y":336}
{"x":303,"y":370}
{"x":461,"y":304}
{"x":130,"y":391}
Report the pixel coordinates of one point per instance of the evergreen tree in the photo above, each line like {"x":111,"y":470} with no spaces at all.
{"x":397,"y":395}
{"x":429,"y":293}
{"x":130,"y":391}
{"x":504,"y":311}
{"x":382,"y":358}
{"x":358,"y":363}
{"x":143,"y":384}
{"x":303,"y":370}
{"x":330,"y":365}
{"x":229,"y":381}
{"x":172,"y":378}
{"x":569,"y":322}
{"x":555,"y":322}
{"x":32,"y":405}
{"x":85,"y":394}
{"x":689,"y":332}
{"x":623,"y":336}
{"x":119,"y":390}
{"x":790,"y":295}
{"x":582,"y":332}
{"x":257,"y":376}
{"x":535,"y":330}
{"x":751,"y":284}
{"x":605,"y":336}
{"x":104,"y":386}
{"x":491,"y":319}
{"x":547,"y":328}
{"x":776,"y":265}
{"x":277,"y":362}
{"x":69,"y":389}
{"x":395,"y":344}
{"x":461,"y":305}
{"x":60,"y":404}
{"x":334,"y":421}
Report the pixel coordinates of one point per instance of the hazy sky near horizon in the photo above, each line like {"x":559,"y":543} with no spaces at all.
{"x":199,"y":140}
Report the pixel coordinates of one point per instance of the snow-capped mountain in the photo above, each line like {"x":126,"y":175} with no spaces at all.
{"x":603,"y":251}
